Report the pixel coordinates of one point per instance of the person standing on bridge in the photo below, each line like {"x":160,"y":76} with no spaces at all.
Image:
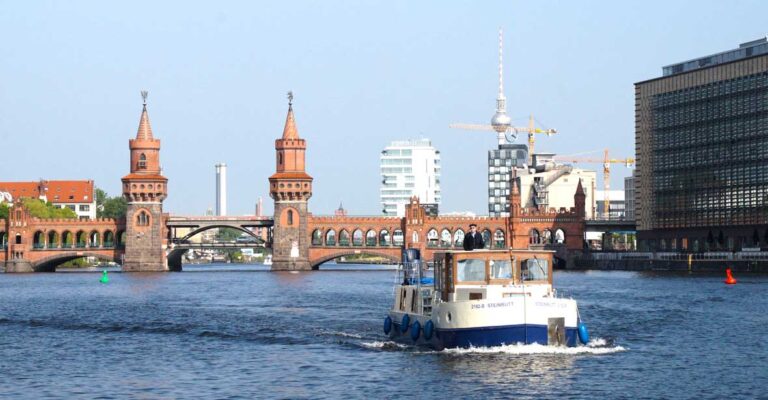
{"x":473,"y":240}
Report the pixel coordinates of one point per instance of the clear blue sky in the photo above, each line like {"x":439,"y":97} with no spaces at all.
{"x":363,"y":75}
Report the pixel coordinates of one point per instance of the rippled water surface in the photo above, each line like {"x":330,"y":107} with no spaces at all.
{"x":241,"y":332}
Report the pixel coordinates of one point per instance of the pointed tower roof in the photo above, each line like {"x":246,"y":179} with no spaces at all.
{"x":145,"y":129}
{"x":580,"y":189}
{"x":290,"y":131}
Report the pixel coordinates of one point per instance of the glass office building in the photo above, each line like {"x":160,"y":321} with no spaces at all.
{"x":702,"y":153}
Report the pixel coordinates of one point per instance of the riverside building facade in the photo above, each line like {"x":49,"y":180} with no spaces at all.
{"x":701,"y":138}
{"x":409,"y":168}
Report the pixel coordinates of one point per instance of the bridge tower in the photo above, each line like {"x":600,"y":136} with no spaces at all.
{"x":144,"y":189}
{"x":290,"y":187}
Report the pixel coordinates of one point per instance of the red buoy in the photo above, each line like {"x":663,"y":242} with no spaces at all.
{"x":729,"y":279}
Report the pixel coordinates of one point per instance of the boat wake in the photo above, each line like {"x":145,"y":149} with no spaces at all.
{"x":597,"y":346}
{"x":388,"y":345}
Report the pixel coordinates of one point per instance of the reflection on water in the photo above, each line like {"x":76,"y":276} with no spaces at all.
{"x":218,"y":331}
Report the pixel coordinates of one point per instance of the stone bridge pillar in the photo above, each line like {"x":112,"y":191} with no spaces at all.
{"x":19,"y":239}
{"x":290,"y":187}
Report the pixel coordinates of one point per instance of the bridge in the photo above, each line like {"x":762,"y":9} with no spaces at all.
{"x":148,"y":239}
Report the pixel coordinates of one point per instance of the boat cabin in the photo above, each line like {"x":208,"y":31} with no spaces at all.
{"x":474,"y":275}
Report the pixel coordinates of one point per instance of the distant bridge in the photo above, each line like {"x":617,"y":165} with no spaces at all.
{"x":610,"y":225}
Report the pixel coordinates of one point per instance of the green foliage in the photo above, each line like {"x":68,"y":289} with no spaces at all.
{"x":228,"y":234}
{"x":40,"y":209}
{"x":110,"y":207}
{"x":114,"y":207}
{"x":101,"y":196}
{"x":3,"y":211}
{"x":81,"y":262}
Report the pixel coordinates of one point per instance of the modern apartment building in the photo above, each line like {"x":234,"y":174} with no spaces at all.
{"x":409,"y":168}
{"x":701,"y":138}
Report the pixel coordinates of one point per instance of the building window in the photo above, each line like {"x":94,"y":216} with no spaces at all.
{"x":142,"y":219}
{"x":85,"y":207}
{"x":142,"y":162}
{"x":290,"y":217}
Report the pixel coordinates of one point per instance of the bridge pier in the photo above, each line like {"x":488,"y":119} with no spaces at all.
{"x":18,"y":266}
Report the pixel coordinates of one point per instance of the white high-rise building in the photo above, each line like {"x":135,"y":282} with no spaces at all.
{"x":409,"y":168}
{"x":221,"y":189}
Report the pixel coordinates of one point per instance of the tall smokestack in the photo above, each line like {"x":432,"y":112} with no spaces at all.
{"x":221,"y":189}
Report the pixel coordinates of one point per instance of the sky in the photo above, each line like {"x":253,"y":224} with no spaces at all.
{"x":363,"y":74}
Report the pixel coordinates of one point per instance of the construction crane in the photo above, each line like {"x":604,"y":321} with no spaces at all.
{"x":509,"y":134}
{"x":501,"y":123}
{"x":606,"y":161}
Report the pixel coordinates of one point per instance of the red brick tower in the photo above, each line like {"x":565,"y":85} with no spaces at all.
{"x":145,"y":188}
{"x":579,"y":200}
{"x":290,"y":187}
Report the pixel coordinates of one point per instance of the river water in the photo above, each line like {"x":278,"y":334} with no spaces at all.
{"x":219,"y":331}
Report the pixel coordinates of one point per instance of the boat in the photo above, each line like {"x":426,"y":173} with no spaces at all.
{"x":268,"y":259}
{"x":482,"y":298}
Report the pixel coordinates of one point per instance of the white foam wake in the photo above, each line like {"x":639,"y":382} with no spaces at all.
{"x":388,"y":345}
{"x":597,"y":346}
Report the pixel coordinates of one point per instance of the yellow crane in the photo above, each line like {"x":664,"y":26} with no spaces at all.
{"x":531,"y":130}
{"x":606,"y":161}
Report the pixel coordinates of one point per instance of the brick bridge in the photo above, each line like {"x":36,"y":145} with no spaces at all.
{"x":145,"y":240}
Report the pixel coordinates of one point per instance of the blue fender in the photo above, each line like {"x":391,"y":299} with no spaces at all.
{"x":583,"y":333}
{"x":387,"y":325}
{"x":429,"y":328}
{"x":404,"y":323}
{"x":415,"y":331}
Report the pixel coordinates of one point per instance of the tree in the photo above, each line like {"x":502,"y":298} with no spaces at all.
{"x":109,"y":207}
{"x":3,"y":211}
{"x":114,"y":207}
{"x":41,"y":209}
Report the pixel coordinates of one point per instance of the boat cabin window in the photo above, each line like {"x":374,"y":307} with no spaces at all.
{"x":470,"y":270}
{"x":501,"y":269}
{"x":534,"y":269}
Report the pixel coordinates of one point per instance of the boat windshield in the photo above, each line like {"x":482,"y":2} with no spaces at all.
{"x":534,"y":269}
{"x":501,"y":269}
{"x":470,"y":270}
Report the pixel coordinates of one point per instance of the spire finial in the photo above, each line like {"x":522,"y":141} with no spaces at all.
{"x":290,"y":98}
{"x":144,"y":94}
{"x":501,"y":62}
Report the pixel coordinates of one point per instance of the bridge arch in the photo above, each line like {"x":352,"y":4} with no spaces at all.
{"x":357,"y":237}
{"x":209,"y":227}
{"x":458,"y":238}
{"x":370,"y":238}
{"x":48,"y":264}
{"x":487,"y":238}
{"x":445,"y":238}
{"x":94,"y":239}
{"x":386,"y":240}
{"x":392,"y":255}
{"x":560,"y":236}
{"x":344,"y":238}
{"x":499,"y":239}
{"x":109,"y":238}
{"x":330,"y":237}
{"x":38,"y":239}
{"x":53,"y":240}
{"x":66,"y":239}
{"x":317,"y":237}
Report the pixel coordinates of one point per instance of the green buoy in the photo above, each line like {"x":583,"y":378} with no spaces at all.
{"x":104,"y":277}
